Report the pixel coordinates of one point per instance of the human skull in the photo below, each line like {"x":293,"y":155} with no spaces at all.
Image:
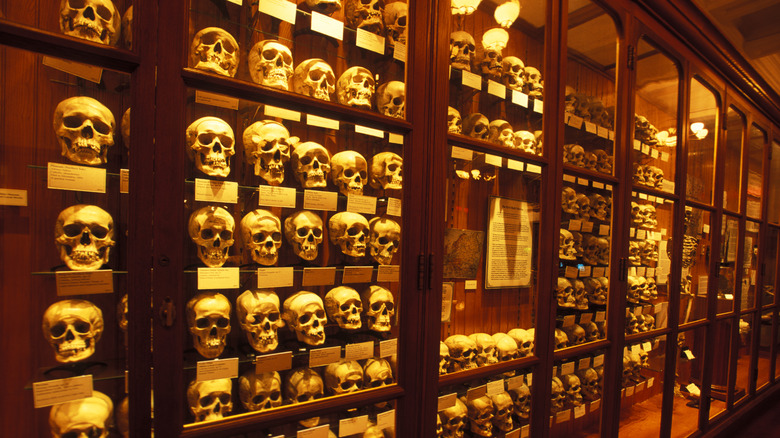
{"x":500,"y":132}
{"x":85,"y":130}
{"x":93,"y":20}
{"x":590,"y":250}
{"x":84,"y":236}
{"x":211,"y":144}
{"x":259,"y":392}
{"x":558,"y":395}
{"x":304,"y":313}
{"x":533,"y":82}
{"x":493,"y":42}
{"x":125,"y":128}
{"x":569,"y":201}
{"x":590,"y":387}
{"x":507,"y":347}
{"x":526,"y":141}
{"x":582,"y":106}
{"x":656,"y":178}
{"x":123,"y":416}
{"x":214,"y":50}
{"x":583,"y":207}
{"x":259,"y":316}
{"x":480,"y":413}
{"x":303,"y":230}
{"x":396,"y":22}
{"x":343,"y":377}
{"x":377,"y":372}
{"x":355,"y":87}
{"x":267,"y":146}
{"x":652,"y":288}
{"x":564,"y":293}
{"x":561,"y":340}
{"x":271,"y":64}
{"x":344,"y":306}
{"x":577,"y":243}
{"x":591,"y":332}
{"x":632,"y":324}
{"x":597,"y":111}
{"x":315,"y":78}
{"x":311,"y":164}
{"x":596,"y":290}
{"x":476,"y":125}
{"x":580,"y":295}
{"x":574,"y":155}
{"x":486,"y":349}
{"x":210,"y":400}
{"x":325,"y":7}
{"x":635,"y":361}
{"x":648,"y":216}
{"x":570,"y":100}
{"x":365,"y":14}
{"x":575,"y":334}
{"x":454,"y":420}
{"x":87,"y":417}
{"x":303,"y":385}
{"x":644,"y":357}
{"x":635,"y":289}
{"x":454,"y":121}
{"x":463,"y":353}
{"x":380,"y":308}
{"x":566,"y":249}
{"x":524,"y":340}
{"x":603,"y":250}
{"x":649,"y":251}
{"x":444,"y":358}
{"x":521,"y":398}
{"x":73,"y":328}
{"x":633,"y":253}
{"x":439,"y":428}
{"x":208,"y":319}
{"x":386,"y":171}
{"x":573,"y":387}
{"x":603,"y":161}
{"x":349,"y":172}
{"x":391,"y":98}
{"x":261,"y":231}
{"x":462,"y":48}
{"x":121,"y":313}
{"x":384,"y":239}
{"x":650,"y":321}
{"x":349,"y":231}
{"x":512,"y":73}
{"x":212,"y":228}
{"x":590,"y":160}
{"x":598,"y":207}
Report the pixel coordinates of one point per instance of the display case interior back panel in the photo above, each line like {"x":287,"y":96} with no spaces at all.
{"x":764,"y":360}
{"x":774,"y":183}
{"x":735,"y":133}
{"x":752,"y":246}
{"x":66,"y":218}
{"x":744,"y":353}
{"x":755,"y":171}
{"x":689,"y":368}
{"x":641,"y":387}
{"x":719,"y":386}
{"x":702,"y":135}
{"x":769,"y":276}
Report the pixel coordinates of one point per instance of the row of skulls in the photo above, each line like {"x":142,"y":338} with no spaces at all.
{"x":641,"y":289}
{"x":572,"y":390}
{"x":390,"y":20}
{"x":644,"y":216}
{"x":578,"y":292}
{"x":591,"y":249}
{"x":461,"y":352}
{"x":639,"y":322}
{"x":90,"y":416}
{"x":500,"y":132}
{"x":642,"y":252}
{"x":212,"y":399}
{"x":634,"y":359}
{"x":260,"y":316}
{"x":576,"y":334}
{"x":598,"y":160}
{"x":98,"y":21}
{"x":491,"y":64}
{"x":589,"y":108}
{"x":212,"y":229}
{"x":586,"y":207}
{"x":650,"y":176}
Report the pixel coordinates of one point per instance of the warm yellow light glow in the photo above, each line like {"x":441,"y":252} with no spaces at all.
{"x":464,"y":7}
{"x":696,"y":127}
{"x":507,"y":13}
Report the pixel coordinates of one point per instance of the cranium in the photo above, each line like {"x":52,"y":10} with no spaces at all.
{"x":87,"y":417}
{"x":125,"y":128}
{"x":93,"y":20}
{"x":210,"y":400}
{"x":648,"y":252}
{"x":652,"y":290}
{"x":590,"y":248}
{"x":85,"y":130}
{"x":636,"y":367}
{"x":211,"y":228}
{"x":570,"y":100}
{"x":589,"y":162}
{"x":490,"y":57}
{"x":602,"y":243}
{"x":595,"y":290}
{"x":454,"y":420}
{"x":123,"y":415}
{"x":603,"y":161}
{"x":656,"y":178}
{"x":315,"y":78}
{"x":577,"y":243}
{"x":304,"y":313}
{"x":396,"y":22}
{"x":635,"y":288}
{"x":271,"y":64}
{"x":380,"y":308}
{"x":526,"y":141}
{"x":259,"y":316}
{"x":84,"y":236}
{"x":597,"y":111}
{"x":569,"y":201}
{"x":349,"y":231}
{"x":650,"y":319}
{"x":325,"y":7}
{"x":444,"y":358}
{"x":261,"y":231}
{"x":582,"y":106}
{"x":355,"y":87}
{"x":208,"y":319}
{"x":259,"y":392}
{"x":211,"y":143}
{"x":462,"y":47}
{"x":303,"y":385}
{"x":303,"y":230}
{"x":500,"y":132}
{"x":533,"y":82}
{"x":480,"y":413}
{"x":486,"y":349}
{"x":384,"y":239}
{"x":583,"y":207}
{"x":507,"y":347}
{"x":391,"y":98}
{"x":648,"y":216}
{"x":512,"y":73}
{"x":311,"y":164}
{"x":640,"y":323}
{"x":73,"y":328}
{"x":365,"y":14}
{"x":566,"y":249}
{"x":575,"y":333}
{"x":632,"y":325}
{"x":572,"y":386}
{"x":267,"y":146}
{"x":591,"y":332}
{"x":463,"y":353}
{"x":633,"y":253}
{"x":454,"y":121}
{"x":524,"y":340}
{"x":349,"y":172}
{"x":344,"y":306}
{"x":574,"y":155}
{"x":377,"y":372}
{"x":214,"y":50}
{"x":476,"y":125}
{"x":644,"y":357}
{"x":561,"y":340}
{"x":386,"y":171}
{"x":521,"y":398}
{"x":343,"y":377}
{"x":580,"y":295}
{"x":598,"y":207}
{"x":564,"y":293}
{"x":591,"y":388}
{"x":558,"y":396}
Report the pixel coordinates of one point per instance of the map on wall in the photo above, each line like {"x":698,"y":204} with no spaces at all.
{"x":462,"y":253}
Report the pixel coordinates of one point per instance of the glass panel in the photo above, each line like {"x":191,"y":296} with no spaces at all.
{"x":641,"y":395}
{"x":750,"y":264}
{"x":720,"y":365}
{"x":371,"y":421}
{"x":590,"y":88}
{"x":770,"y":270}
{"x":743,"y":356}
{"x":695,"y":265}
{"x":777,"y":347}
{"x":576,"y":396}
{"x":703,"y":117}
{"x":755,"y":167}
{"x":654,"y":151}
{"x":735,"y":131}
{"x":765,"y":341}
{"x":727,"y":267}
{"x":687,"y":388}
{"x":774,"y":184}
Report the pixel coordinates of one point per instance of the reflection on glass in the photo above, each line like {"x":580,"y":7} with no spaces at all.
{"x":774,"y":184}
{"x":701,"y":135}
{"x":770,"y":260}
{"x":654,"y":150}
{"x":720,"y":365}
{"x":750,"y":264}
{"x":735,"y":129}
{"x":690,"y":350}
{"x":727,"y":267}
{"x":642,"y":385}
{"x":764,"y":344}
{"x":743,"y":355}
{"x":695,"y":264}
{"x":755,"y":165}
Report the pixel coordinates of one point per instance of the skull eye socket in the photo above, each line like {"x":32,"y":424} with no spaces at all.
{"x":303,"y":232}
{"x":401,"y":21}
{"x":319,"y":313}
{"x":392,"y":167}
{"x":223,"y":322}
{"x":206,"y":138}
{"x":98,"y":231}
{"x":270,"y":54}
{"x":77,"y":4}
{"x":201,"y":323}
{"x":72,"y":230}
{"x":89,"y":432}
{"x":316,"y":232}
{"x":305,"y":160}
{"x":275,"y":395}
{"x":101,"y":127}
{"x":304,"y":319}
{"x":226,"y":141}
{"x":382,"y":240}
{"x":104,"y":12}
{"x":398,"y":101}
{"x":346,"y":306}
{"x":226,"y":234}
{"x":207,"y":234}
{"x":258,"y":399}
{"x":58,"y":330}
{"x":354,"y":231}
{"x":82,"y":327}
{"x":72,"y":121}
{"x":349,"y":173}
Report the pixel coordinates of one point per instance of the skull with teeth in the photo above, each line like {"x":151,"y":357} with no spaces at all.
{"x":480,"y":413}
{"x":634,"y":257}
{"x":325,"y":7}
{"x":386,"y":171}
{"x":302,"y":385}
{"x":652,"y":288}
{"x":384,"y":239}
{"x":261,"y":231}
{"x":574,"y":155}
{"x":89,"y":416}
{"x":259,"y":316}
{"x":590,"y":161}
{"x":214,"y":50}
{"x":343,"y":377}
{"x":575,"y":333}
{"x":303,"y":230}
{"x":521,"y":398}
{"x":573,"y":387}
{"x":93,"y":20}
{"x":377,"y":372}
{"x":454,"y":121}
{"x":635,"y":288}
{"x":344,"y":306}
{"x":314,"y":77}
{"x":73,"y":328}
{"x":365,"y":14}
{"x":649,"y":251}
{"x":391,"y":99}
{"x":486,"y":349}
{"x":348,"y":231}
{"x":311,"y":164}
{"x":304,"y":313}
{"x":565,"y":293}
{"x":476,"y":125}
{"x":355,"y":88}
{"x":212,"y":228}
{"x":349,"y":172}
{"x":84,"y":236}
{"x":259,"y":392}
{"x":208,"y":319}
{"x":454,"y":420}
{"x":512,"y":73}
{"x":533,"y":82}
{"x":462,"y":48}
{"x":526,"y":141}
{"x":566,"y":248}
{"x":524,"y":339}
{"x":590,"y":389}
{"x":380,"y":308}
{"x":591,"y":332}
{"x":396,"y":22}
{"x":503,"y":406}
{"x":210,"y":400}
{"x":558,"y":395}
{"x":561,"y":340}
{"x":500,"y":132}
{"x":85,"y":130}
{"x":267,"y":146}
{"x":490,"y":60}
{"x":598,"y":207}
{"x":580,"y":295}
{"x":569,"y":201}
{"x":603,"y":161}
{"x":463,"y":353}
{"x":444,"y":358}
{"x":211,"y":144}
{"x":591,"y":250}
{"x":648,"y":216}
{"x":271,"y":64}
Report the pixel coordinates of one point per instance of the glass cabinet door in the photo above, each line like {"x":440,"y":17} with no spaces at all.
{"x":701,"y":134}
{"x":755,"y":170}
{"x":774,"y":184}
{"x":695,"y":263}
{"x":735,"y":132}
{"x":727,"y":268}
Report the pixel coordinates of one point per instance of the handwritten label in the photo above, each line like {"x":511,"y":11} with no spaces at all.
{"x":446,"y":401}
{"x":579,"y":411}
{"x":629,"y":391}
{"x":52,"y":392}
{"x":322,"y":122}
{"x":495,"y":387}
{"x":369,"y":131}
{"x":603,"y":132}
{"x":598,"y":271}
{"x":586,"y":318}
{"x":209,"y":190}
{"x":514,"y":382}
{"x":462,"y":154}
{"x":493,"y":160}
{"x":370,"y":41}
{"x":357,"y":274}
{"x":598,"y":360}
{"x":13,"y":197}
{"x":585,"y":271}
{"x":318,"y":276}
{"x":215,"y":99}
{"x":281,"y":9}
{"x":515,"y":165}
{"x":359,"y":351}
{"x":533,"y":168}
{"x":314,"y":432}
{"x":389,"y":273}
{"x":327,"y":26}
{"x":583,"y":364}
{"x":388,"y":348}
{"x":394,"y":138}
{"x":571,"y":272}
{"x":538,"y":106}
{"x":590,"y":127}
{"x":84,"y":282}
{"x":217,"y":369}
{"x":519,"y":98}
{"x":282,"y":113}
{"x":587,"y":227}
{"x":385,"y":419}
{"x":478,"y":392}
{"x":472,"y":80}
{"x":604,"y":230}
{"x":324,"y":356}
{"x":575,"y":224}
{"x":361,"y":204}
{"x":320,"y":200}
{"x":470,"y":285}
{"x":272,"y":196}
{"x":575,"y":121}
{"x":399,"y":51}
{"x":274,"y":277}
{"x":218,"y":278}
{"x":496,"y":89}
{"x":394,"y":207}
{"x":567,"y":368}
{"x":273,"y":362}
{"x":124,"y":180}
{"x":76,"y":178}
{"x":84,"y":71}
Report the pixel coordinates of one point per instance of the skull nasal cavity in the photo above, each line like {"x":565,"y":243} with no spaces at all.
{"x":85,"y":240}
{"x":87,"y":132}
{"x":218,"y":47}
{"x":217,"y":147}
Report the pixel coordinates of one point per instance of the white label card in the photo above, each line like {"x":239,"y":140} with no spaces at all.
{"x":237,"y":2}
{"x":385,"y":419}
{"x":394,"y":207}
{"x":585,"y":272}
{"x":494,"y":160}
{"x":583,"y":364}
{"x":274,"y":277}
{"x":650,"y":382}
{"x":603,"y":132}
{"x":319,"y":276}
{"x":571,"y":272}
{"x":533,"y":168}
{"x":369,"y":131}
{"x":462,"y":154}
{"x":598,"y":185}
{"x":214,"y":99}
{"x":604,"y":230}
{"x":85,"y":71}
{"x":271,"y":196}
{"x":472,"y":80}
{"x":496,"y":89}
{"x":320,"y":200}
{"x":590,"y":127}
{"x":515,"y":165}
{"x":538,"y":106}
{"x":529,"y":378}
{"x":399,"y":52}
{"x":124,"y":180}
{"x":567,"y":368}
{"x":495,"y":387}
{"x":282,"y":113}
{"x":52,"y":392}
{"x":688,"y":354}
{"x":563,"y":416}
{"x":217,"y":369}
{"x":388,"y":273}
{"x":513,"y":434}
{"x":647,"y":346}
{"x":388,"y":348}
{"x":519,"y":98}
{"x":630,"y":391}
{"x":209,"y":190}
{"x":470,"y":284}
{"x":586,"y":318}
{"x":598,"y":360}
{"x":370,"y":41}
{"x":361,"y":204}
{"x":357,"y":274}
{"x":84,"y":282}
{"x":514,"y":382}
{"x":579,"y":411}
{"x":575,"y":121}
{"x":218,"y":278}
{"x":595,"y":406}
{"x":394,"y":138}
{"x":327,"y":26}
{"x":359,"y":351}
{"x":76,"y":178}
{"x":478,"y":392}
{"x":17,"y":198}
{"x":273,"y":362}
{"x":598,"y":271}
{"x":575,"y":224}
{"x":324,"y":356}
{"x":569,"y":178}
{"x":281,"y":9}
{"x":583,"y":182}
{"x":314,"y":432}
{"x":322,"y":122}
{"x":446,"y":401}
